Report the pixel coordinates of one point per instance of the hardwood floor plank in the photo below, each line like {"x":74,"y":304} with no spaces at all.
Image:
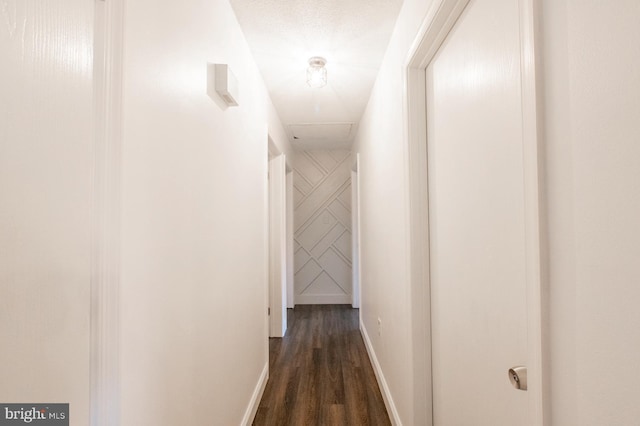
{"x":320,"y":373}
{"x":334,"y":415}
{"x":355,"y":397}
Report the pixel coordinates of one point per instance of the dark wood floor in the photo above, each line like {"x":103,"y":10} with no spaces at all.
{"x":320,"y":372}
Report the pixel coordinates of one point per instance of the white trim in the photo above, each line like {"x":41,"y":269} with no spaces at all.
{"x":438,"y":22}
{"x":382,"y":383}
{"x":536,"y":266}
{"x":436,"y":25}
{"x":277,"y":246}
{"x":355,"y":235}
{"x":105,"y":251}
{"x":323,"y":299}
{"x":256,"y":397}
{"x":266,"y":249}
{"x":358,"y":171}
{"x":290,"y":246}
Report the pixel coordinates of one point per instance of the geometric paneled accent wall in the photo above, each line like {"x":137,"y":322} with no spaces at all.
{"x":322,"y":226}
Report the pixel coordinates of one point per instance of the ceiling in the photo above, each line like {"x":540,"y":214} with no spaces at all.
{"x":352,"y":35}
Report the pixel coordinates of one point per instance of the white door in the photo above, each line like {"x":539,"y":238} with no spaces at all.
{"x":477,"y":219}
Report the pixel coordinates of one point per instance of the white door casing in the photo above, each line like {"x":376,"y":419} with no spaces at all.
{"x":355,"y":246}
{"x":277,"y":247}
{"x":289,"y":243}
{"x":521,"y":65}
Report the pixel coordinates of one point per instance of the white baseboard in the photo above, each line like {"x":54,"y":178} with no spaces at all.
{"x":252,"y":409}
{"x":323,"y":299}
{"x":384,"y":388}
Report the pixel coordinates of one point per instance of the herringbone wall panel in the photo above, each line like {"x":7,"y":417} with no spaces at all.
{"x":322,"y":221}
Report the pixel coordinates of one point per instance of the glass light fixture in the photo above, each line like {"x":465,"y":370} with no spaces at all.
{"x":317,"y":73}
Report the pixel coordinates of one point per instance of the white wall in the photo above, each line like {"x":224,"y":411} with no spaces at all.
{"x":384,"y":263}
{"x":322,"y":223}
{"x":45,"y":202}
{"x":592,"y":118}
{"x":194,"y":278}
{"x":592,"y":114}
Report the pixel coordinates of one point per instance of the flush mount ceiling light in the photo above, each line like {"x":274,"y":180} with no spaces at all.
{"x":317,"y":73}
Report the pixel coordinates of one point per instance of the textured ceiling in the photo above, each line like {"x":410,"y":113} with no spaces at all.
{"x":351,"y":34}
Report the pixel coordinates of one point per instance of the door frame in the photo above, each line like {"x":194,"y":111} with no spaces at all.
{"x":438,"y":22}
{"x":290,"y":247}
{"x":277,"y":240}
{"x":355,"y":233}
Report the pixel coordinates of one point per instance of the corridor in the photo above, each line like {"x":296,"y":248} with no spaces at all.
{"x":320,"y":372}
{"x":453,"y":185}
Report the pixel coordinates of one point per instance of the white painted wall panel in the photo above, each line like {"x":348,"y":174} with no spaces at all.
{"x":307,"y":274}
{"x":340,"y":271}
{"x":341,"y":212}
{"x":302,"y":186}
{"x":297,"y":195}
{"x":316,"y":230}
{"x":343,"y":245}
{"x":325,"y":160}
{"x":320,"y":194}
{"x":328,"y":240}
{"x":322,"y":222}
{"x":322,"y":286}
{"x":46,"y":57}
{"x":300,"y":259}
{"x":345,"y":198}
{"x":308,"y":170}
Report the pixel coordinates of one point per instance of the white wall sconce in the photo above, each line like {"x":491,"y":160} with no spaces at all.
{"x":222,"y":84}
{"x":317,"y":73}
